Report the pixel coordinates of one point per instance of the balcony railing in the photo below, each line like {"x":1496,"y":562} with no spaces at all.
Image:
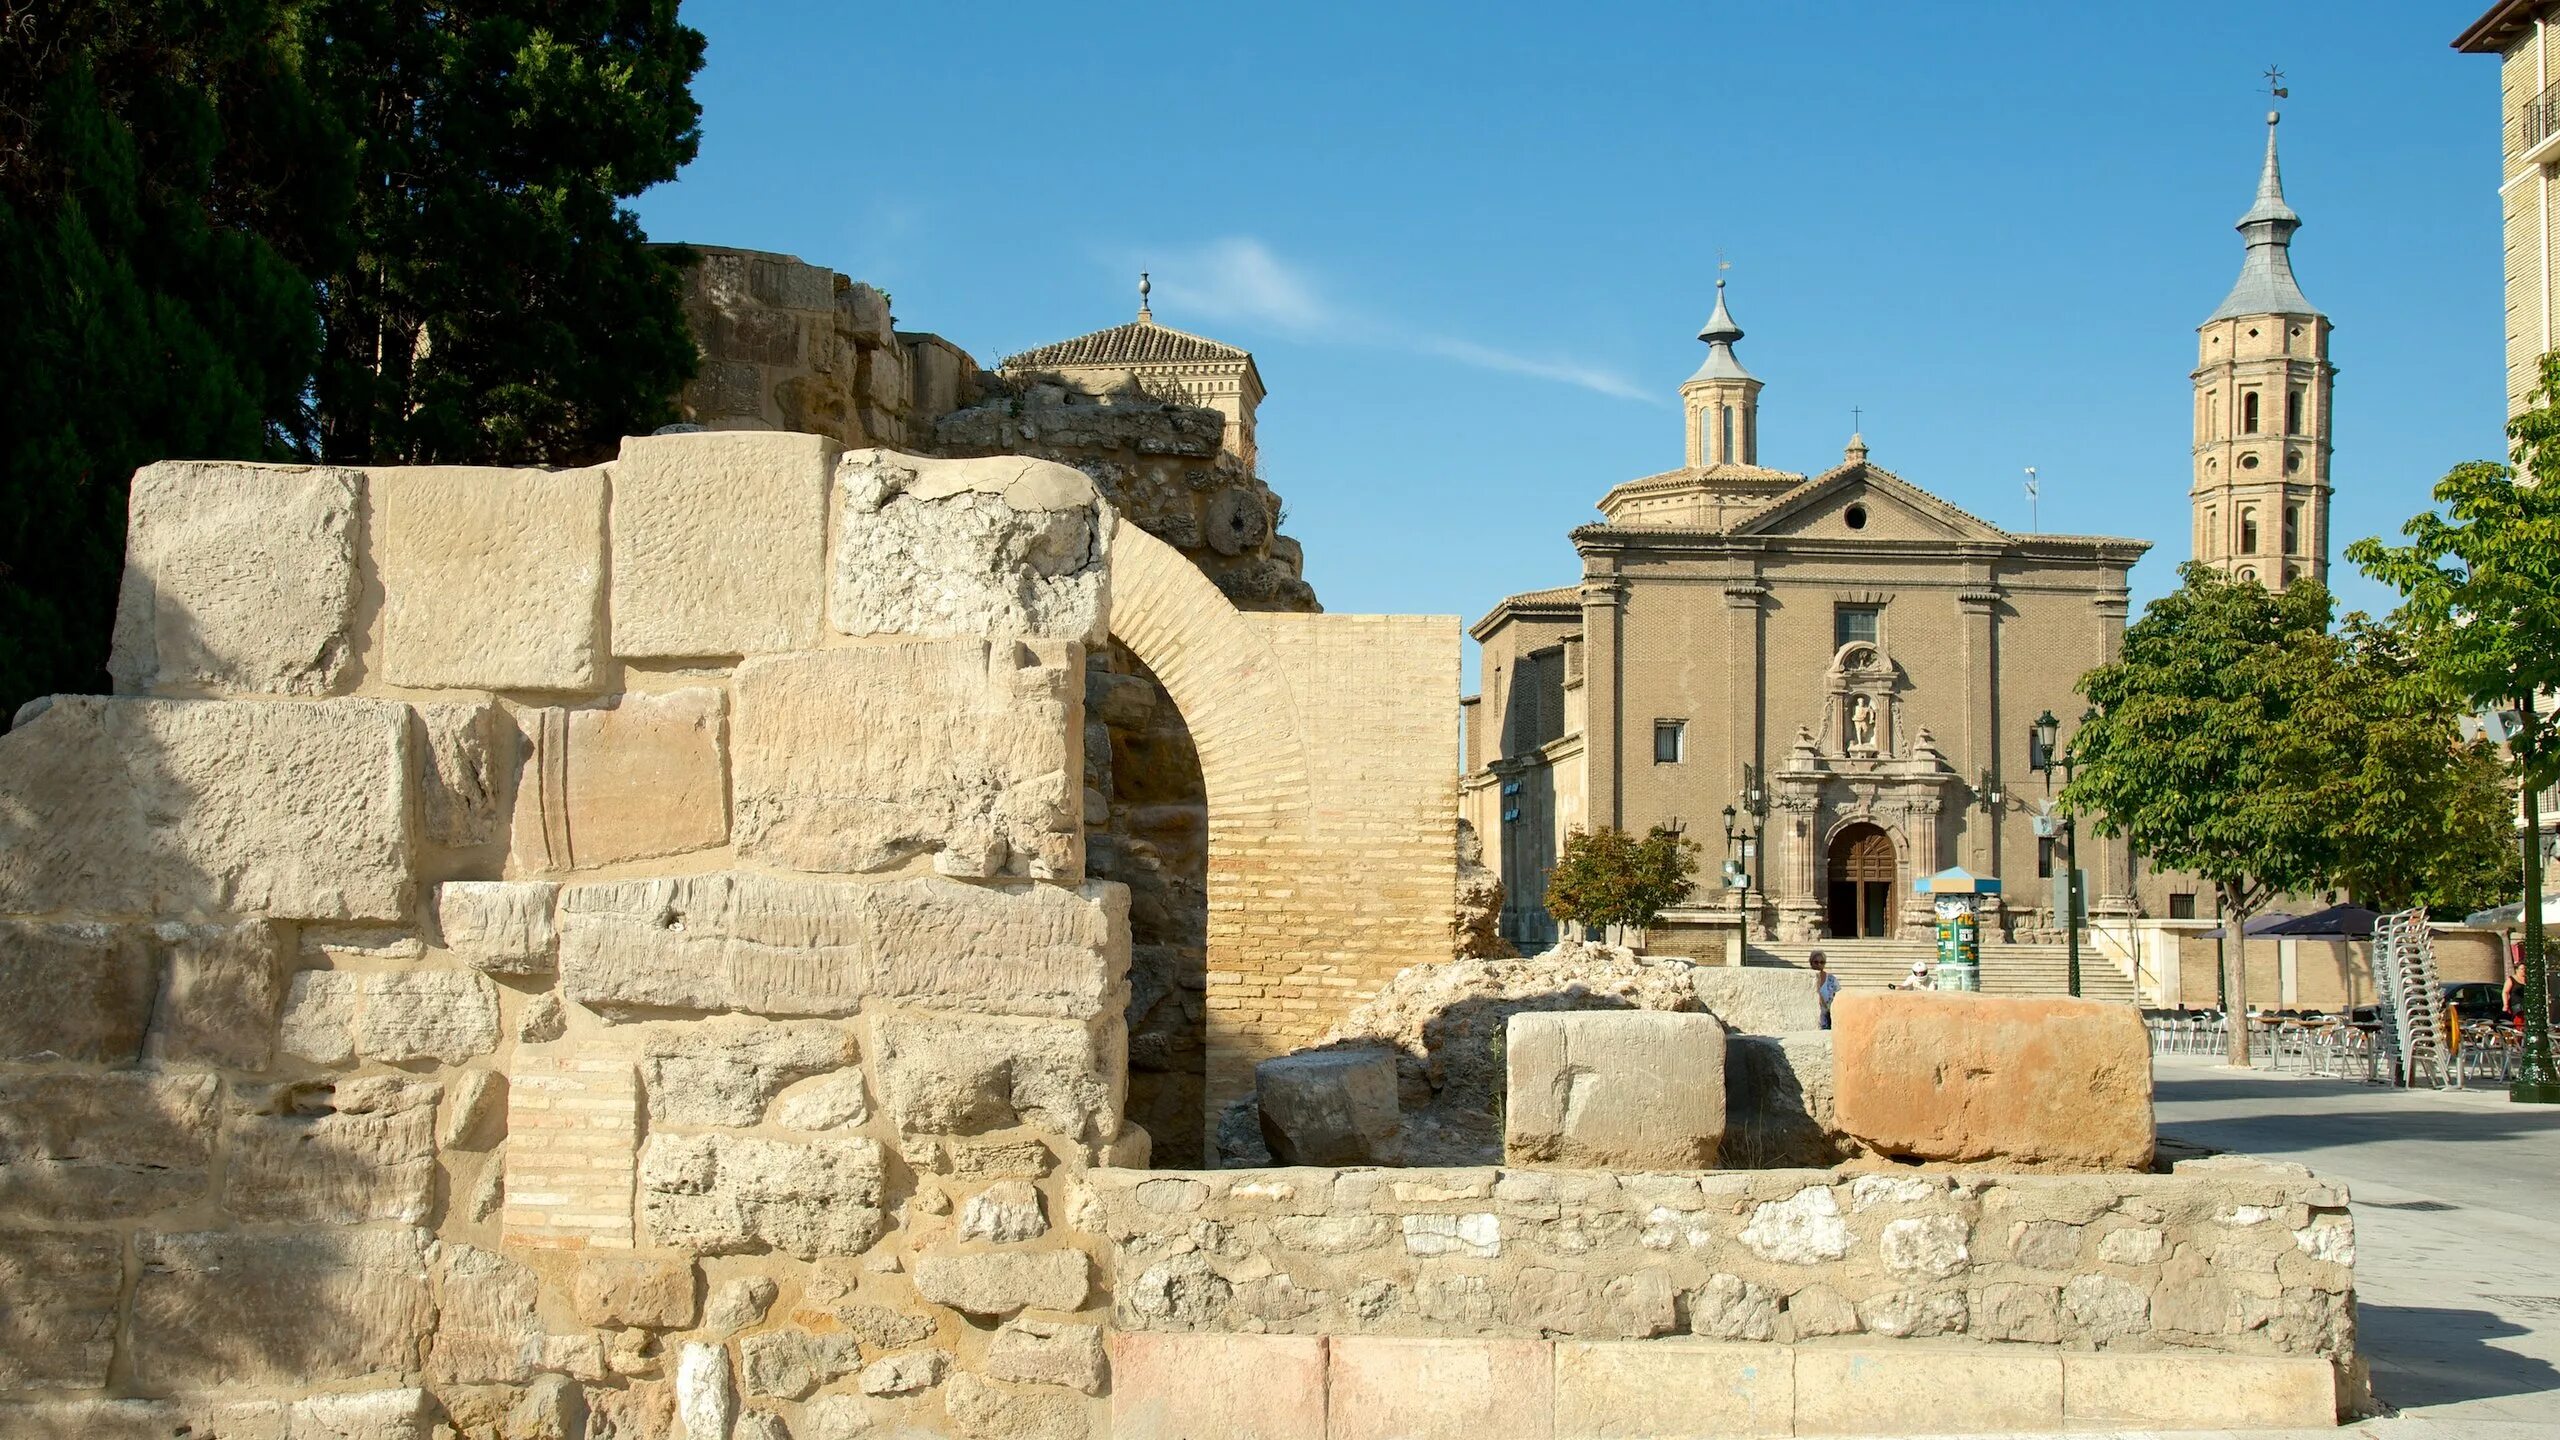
{"x":2539,"y":120}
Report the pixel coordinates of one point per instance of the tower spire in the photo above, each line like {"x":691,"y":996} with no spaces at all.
{"x":2266,"y":285}
{"x":1720,"y":333}
{"x":1722,"y":400}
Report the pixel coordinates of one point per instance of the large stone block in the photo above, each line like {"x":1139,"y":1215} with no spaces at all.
{"x":1004,"y":1281}
{"x":1615,"y":1089}
{"x":336,"y":1154}
{"x":654,"y":1291}
{"x":1877,"y":1391}
{"x":966,"y":1077}
{"x":643,"y":777}
{"x":1243,"y":1387}
{"x":219,"y":997}
{"x":1759,"y":999}
{"x":2188,"y":1390}
{"x":237,"y":578}
{"x":445,"y":1015}
{"x":726,"y":1072}
{"x":1778,"y":1106}
{"x":502,"y":926}
{"x":58,"y":1309}
{"x":726,"y":1194}
{"x":720,"y":542}
{"x":462,"y":754}
{"x":1672,"y":1390}
{"x":114,"y":1146}
{"x":2052,"y":1084}
{"x":488,"y":1318}
{"x":775,"y":945}
{"x":1379,"y":1389}
{"x":492,"y":578}
{"x":1330,"y":1107}
{"x":980,"y":1410}
{"x":75,"y":991}
{"x":966,"y":750}
{"x":293,"y":1309}
{"x":174,"y":807}
{"x":997,"y":547}
{"x":1037,"y":1352}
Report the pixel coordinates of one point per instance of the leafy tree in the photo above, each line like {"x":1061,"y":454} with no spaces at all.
{"x":2480,"y":577}
{"x":166,"y":180}
{"x":504,"y":307}
{"x":2427,"y":816}
{"x":1608,"y":877}
{"x":2208,"y":747}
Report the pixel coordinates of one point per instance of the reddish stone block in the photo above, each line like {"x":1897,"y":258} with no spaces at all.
{"x":2035,"y":1084}
{"x":1236,"y":1387}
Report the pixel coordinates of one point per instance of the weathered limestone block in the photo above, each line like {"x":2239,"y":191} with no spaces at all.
{"x":474,"y":1112}
{"x":967,"y":750}
{"x":1005,"y":1213}
{"x":903,"y":1374}
{"x":446,"y":1015}
{"x":1778,"y":1107}
{"x":1004,"y":1281}
{"x":706,"y":1393}
{"x":114,"y":1146}
{"x":75,"y":991}
{"x":492,"y":578}
{"x":788,"y":1364}
{"x":1249,"y":1387}
{"x":461,"y":753}
{"x":998,"y":547}
{"x":286,"y":1309}
{"x":1615,"y":1089}
{"x":1330,"y":1107}
{"x":336,"y":1154}
{"x":237,"y":578}
{"x":643,"y":777}
{"x":645,"y":1410}
{"x":1672,"y":1388}
{"x":1806,"y":1228}
{"x":737,"y":1303}
{"x":365,"y":1415}
{"x":979,"y":1410}
{"x":719,"y":542}
{"x":219,"y":998}
{"x":775,"y":945}
{"x":966,"y":1077}
{"x":2051,"y":1084}
{"x":488,"y":1327}
{"x":834,"y":1102}
{"x":1759,"y":999}
{"x":57,"y":1309}
{"x":319,"y":1021}
{"x":501,"y":926}
{"x":173,"y":807}
{"x":1038,"y":1352}
{"x":726,"y":1072}
{"x":1380,"y":1389}
{"x":651,"y":1291}
{"x":724,"y":1194}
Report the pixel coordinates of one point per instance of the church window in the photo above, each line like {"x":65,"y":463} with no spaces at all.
{"x":1855,"y":516}
{"x":2248,"y":412}
{"x":2248,"y":532}
{"x":2044,"y":857}
{"x":2182,"y":906}
{"x":2248,"y":572}
{"x":2293,"y":412}
{"x":1726,"y":413}
{"x":2248,"y":462}
{"x":2293,"y":529}
{"x":1854,"y":623}
{"x":2293,"y":462}
{"x":1670,"y":740}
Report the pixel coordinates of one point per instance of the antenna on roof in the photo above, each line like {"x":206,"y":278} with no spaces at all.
{"x":1143,"y":288}
{"x":2032,"y":495}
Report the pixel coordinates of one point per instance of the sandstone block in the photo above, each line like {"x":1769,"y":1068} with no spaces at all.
{"x":1778,"y":1108}
{"x":475,"y":1111}
{"x":1615,"y":1089}
{"x":643,"y":777}
{"x":1759,"y":999}
{"x":774,"y":945}
{"x":297,"y":810}
{"x":1036,"y":1352}
{"x":114,"y":1146}
{"x":1330,"y":1107}
{"x":1878,"y":1390}
{"x":652,"y":1291}
{"x":967,"y":750}
{"x":1382,"y":1389}
{"x":319,"y":1021}
{"x":2052,"y":1084}
{"x":336,"y":1154}
{"x":737,"y":1303}
{"x":57,"y":1309}
{"x":462,"y":755}
{"x":719,"y":542}
{"x":903,"y":1374}
{"x":791,"y":1363}
{"x":237,"y":578}
{"x":488,"y":1328}
{"x":289,"y":1310}
{"x":1005,"y":1213}
{"x":834,"y":1102}
{"x":492,"y":578}
{"x":982,"y":1411}
{"x":835,"y":1417}
{"x":1672,"y":1390}
{"x":998,"y":547}
{"x":1729,"y":1307}
{"x":966,"y":1077}
{"x":1004,"y":1281}
{"x":2193,"y":1391}
{"x":219,"y":1000}
{"x":724,"y":1194}
{"x":725,"y":1072}
{"x":446,"y":1015}
{"x":1248,"y":1387}
{"x":76,"y":991}
{"x":501,"y":926}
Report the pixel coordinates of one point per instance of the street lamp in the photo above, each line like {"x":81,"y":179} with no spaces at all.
{"x":1742,"y":825}
{"x":2044,"y":755}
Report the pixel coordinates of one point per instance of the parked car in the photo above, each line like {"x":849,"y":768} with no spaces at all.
{"x":2475,"y":1001}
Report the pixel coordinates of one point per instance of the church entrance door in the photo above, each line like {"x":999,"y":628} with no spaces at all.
{"x":1863,"y":869}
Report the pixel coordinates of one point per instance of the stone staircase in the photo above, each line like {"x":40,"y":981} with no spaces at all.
{"x":2006,"y":969}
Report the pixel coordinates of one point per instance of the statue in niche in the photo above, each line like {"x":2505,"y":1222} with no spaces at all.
{"x":1862,"y":726}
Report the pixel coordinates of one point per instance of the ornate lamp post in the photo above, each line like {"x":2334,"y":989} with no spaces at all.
{"x":1742,"y":826}
{"x":2044,"y":755}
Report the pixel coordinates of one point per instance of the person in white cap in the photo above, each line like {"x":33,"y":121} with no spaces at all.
{"x":1918,"y":979}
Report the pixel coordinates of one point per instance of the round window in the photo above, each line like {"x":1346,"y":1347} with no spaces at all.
{"x":2293,"y":463}
{"x":2248,"y":462}
{"x":1856,"y":515}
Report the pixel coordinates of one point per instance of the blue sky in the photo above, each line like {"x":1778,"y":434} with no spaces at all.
{"x":1471,"y":245}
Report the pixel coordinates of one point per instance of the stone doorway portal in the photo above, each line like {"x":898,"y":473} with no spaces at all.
{"x":1863,"y":901}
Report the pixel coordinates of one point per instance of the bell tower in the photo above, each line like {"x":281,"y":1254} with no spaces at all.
{"x":1722,"y":399}
{"x":2262,"y":383}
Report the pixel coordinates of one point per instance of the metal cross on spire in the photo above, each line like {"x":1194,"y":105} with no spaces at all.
{"x":2275,"y":83}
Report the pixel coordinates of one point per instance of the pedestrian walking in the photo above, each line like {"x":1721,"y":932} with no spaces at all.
{"x":1826,"y":987}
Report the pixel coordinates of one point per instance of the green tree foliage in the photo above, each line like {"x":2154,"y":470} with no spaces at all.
{"x":1608,"y":877}
{"x":166,"y":179}
{"x":504,"y":307}
{"x":2426,"y":817}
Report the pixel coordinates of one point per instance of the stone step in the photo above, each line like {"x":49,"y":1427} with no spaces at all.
{"x":2006,"y":969}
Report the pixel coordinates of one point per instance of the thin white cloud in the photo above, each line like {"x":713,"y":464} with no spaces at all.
{"x":1240,"y":280}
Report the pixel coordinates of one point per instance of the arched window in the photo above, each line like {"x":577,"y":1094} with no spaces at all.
{"x":2293,"y":412}
{"x":2249,"y":531}
{"x":2293,"y":529}
{"x":1726,"y":452}
{"x":2248,"y":412}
